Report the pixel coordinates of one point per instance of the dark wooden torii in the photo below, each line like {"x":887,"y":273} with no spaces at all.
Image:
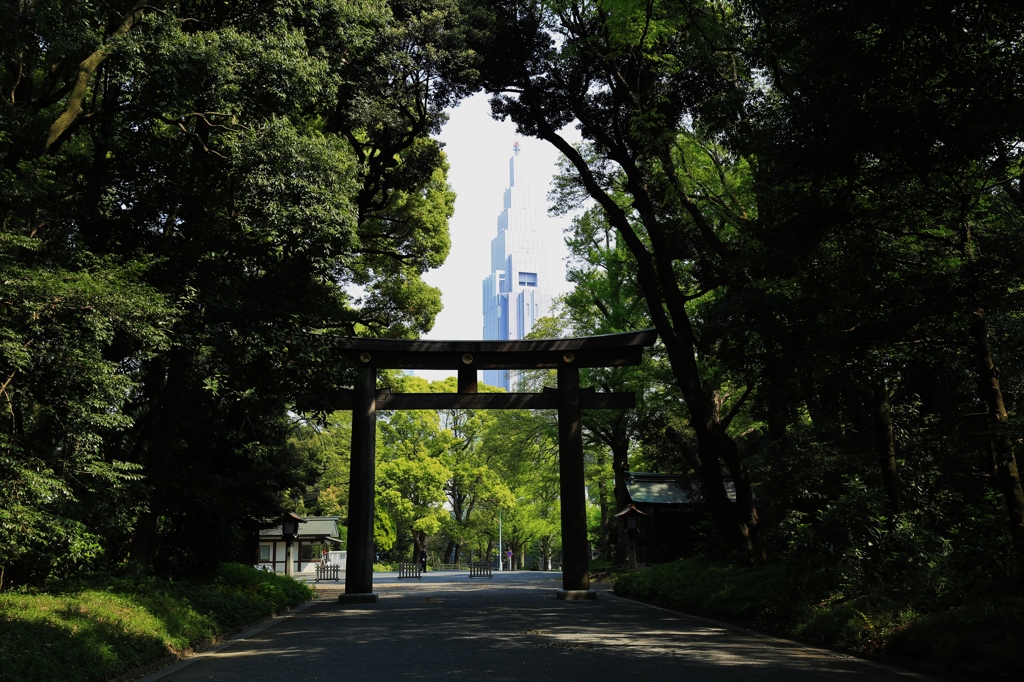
{"x":467,"y":357}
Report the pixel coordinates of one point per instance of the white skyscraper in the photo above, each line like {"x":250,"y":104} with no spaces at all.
{"x":518,"y":291}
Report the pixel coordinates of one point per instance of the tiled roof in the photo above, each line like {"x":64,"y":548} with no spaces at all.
{"x":666,"y":489}
{"x":315,"y":526}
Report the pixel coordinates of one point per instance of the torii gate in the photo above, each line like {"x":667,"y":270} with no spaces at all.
{"x":565,"y":355}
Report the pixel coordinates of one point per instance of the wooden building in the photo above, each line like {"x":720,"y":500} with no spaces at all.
{"x":318,"y":535}
{"x":673,"y":511}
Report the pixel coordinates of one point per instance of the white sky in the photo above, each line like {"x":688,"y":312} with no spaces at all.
{"x":478,"y":150}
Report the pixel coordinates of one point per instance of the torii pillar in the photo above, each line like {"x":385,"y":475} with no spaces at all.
{"x":572,"y":483}
{"x":362,"y":475}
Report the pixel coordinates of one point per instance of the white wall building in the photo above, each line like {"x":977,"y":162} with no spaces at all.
{"x":518,"y":291}
{"x":318,"y":536}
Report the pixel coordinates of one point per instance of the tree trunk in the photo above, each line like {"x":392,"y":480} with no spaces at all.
{"x":419,"y":543}
{"x":159,"y":455}
{"x":716,"y":498}
{"x":778,"y":383}
{"x":604,"y":536}
{"x":1002,"y":459}
{"x":739,"y":521}
{"x":620,"y":467}
{"x":886,"y":447}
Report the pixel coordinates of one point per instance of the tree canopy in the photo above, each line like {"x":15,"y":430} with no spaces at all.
{"x":819,"y":204}
{"x":196,"y":196}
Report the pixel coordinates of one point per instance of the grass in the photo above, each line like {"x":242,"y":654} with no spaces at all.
{"x":104,"y":627}
{"x":981,"y":639}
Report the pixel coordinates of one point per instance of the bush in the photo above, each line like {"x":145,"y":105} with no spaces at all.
{"x":102,"y":627}
{"x":984,"y":640}
{"x":980,"y":639}
{"x":752,"y":595}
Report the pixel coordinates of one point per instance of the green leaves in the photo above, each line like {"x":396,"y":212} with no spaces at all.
{"x":293,"y":199}
{"x":61,"y":395}
{"x":219,"y":181}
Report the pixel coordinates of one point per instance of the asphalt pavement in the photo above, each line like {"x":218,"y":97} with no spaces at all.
{"x":449,"y":627}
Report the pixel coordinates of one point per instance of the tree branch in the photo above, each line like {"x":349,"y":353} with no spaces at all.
{"x":736,"y":407}
{"x":10,"y":403}
{"x":86,"y":69}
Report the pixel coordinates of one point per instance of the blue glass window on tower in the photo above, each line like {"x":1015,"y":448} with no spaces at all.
{"x":514,"y":300}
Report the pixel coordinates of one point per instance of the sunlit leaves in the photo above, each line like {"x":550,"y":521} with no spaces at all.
{"x":252,"y":162}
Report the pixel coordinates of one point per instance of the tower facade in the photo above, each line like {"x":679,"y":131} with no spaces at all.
{"x":518,"y":291}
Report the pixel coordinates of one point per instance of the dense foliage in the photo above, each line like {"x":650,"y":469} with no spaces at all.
{"x":195,"y":196}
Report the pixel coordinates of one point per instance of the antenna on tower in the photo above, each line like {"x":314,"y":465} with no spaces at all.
{"x":515,"y":148}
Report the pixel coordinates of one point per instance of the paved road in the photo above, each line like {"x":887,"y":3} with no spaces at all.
{"x":447,"y":627}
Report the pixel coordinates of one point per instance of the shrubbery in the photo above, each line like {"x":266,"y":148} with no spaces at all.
{"x":103,"y":627}
{"x":978,"y":639}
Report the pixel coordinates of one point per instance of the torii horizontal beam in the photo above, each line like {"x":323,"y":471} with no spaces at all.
{"x":548,"y":400}
{"x":607,"y":350}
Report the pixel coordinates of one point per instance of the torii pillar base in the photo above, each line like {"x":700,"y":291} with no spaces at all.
{"x":576,"y":595}
{"x":357,"y":598}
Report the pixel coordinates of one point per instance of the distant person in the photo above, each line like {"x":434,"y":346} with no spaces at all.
{"x":423,"y":560}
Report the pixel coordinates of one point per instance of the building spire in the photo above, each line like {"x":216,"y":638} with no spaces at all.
{"x":517,"y":292}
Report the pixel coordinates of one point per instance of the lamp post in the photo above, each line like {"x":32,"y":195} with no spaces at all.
{"x":290,"y":530}
{"x":631,"y":517}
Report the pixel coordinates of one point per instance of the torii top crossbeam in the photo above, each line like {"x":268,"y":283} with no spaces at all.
{"x":608,"y":350}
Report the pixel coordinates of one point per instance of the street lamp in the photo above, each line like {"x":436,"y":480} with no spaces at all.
{"x":630,"y":516}
{"x":290,"y":530}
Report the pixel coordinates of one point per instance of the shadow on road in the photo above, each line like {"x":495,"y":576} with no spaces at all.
{"x":447,"y":627}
